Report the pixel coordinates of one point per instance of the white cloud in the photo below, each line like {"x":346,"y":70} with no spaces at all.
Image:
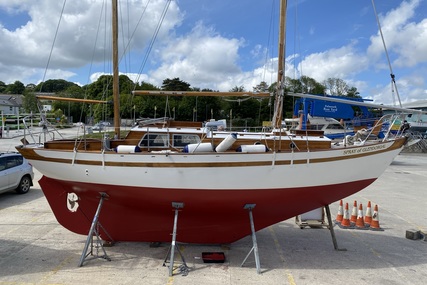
{"x":29,"y":45}
{"x":405,"y":41}
{"x":334,"y":63}
{"x":202,"y":57}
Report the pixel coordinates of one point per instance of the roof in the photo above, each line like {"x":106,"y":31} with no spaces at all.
{"x":13,"y":100}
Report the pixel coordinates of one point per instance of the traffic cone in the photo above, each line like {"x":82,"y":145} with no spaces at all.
{"x":368,"y":215}
{"x":375,"y":224}
{"x":340,"y":214}
{"x":345,"y":223}
{"x":360,"y":224}
{"x":353,"y":217}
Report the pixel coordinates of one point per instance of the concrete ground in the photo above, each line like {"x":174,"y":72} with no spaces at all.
{"x":35,"y":249}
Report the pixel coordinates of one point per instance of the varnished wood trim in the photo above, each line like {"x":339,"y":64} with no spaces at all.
{"x":29,"y":153}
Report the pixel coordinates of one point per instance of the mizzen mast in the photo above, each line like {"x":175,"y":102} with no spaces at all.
{"x":280,"y":87}
{"x":116,"y":99}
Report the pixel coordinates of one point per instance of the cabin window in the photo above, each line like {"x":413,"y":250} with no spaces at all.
{"x":154,"y":140}
{"x":335,"y":127}
{"x":318,"y":127}
{"x":181,"y":140}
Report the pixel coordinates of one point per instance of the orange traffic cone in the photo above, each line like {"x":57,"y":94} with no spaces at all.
{"x":353,"y":217}
{"x":368,"y":215}
{"x":345,"y":223}
{"x":340,"y":214}
{"x":360,"y":224}
{"x":375,"y":224}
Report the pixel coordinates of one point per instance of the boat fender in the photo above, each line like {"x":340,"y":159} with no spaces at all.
{"x":127,"y":149}
{"x":198,"y":147}
{"x":252,"y":148}
{"x":348,"y":140}
{"x":226,"y":143}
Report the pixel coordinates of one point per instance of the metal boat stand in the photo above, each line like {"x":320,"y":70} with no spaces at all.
{"x":331,"y":229}
{"x":249,"y":207}
{"x":183,"y":268}
{"x":94,"y":230}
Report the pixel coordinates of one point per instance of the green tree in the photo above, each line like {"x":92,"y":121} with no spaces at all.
{"x":73,"y":111}
{"x":311,"y":86}
{"x":352,"y":92}
{"x":29,"y":88}
{"x":175,"y":85}
{"x":54,"y":85}
{"x":336,"y":86}
{"x":15,"y":88}
{"x":3,"y":87}
{"x":29,"y":103}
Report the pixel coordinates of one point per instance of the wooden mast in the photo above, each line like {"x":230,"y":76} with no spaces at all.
{"x":116,"y":99}
{"x":280,"y":88}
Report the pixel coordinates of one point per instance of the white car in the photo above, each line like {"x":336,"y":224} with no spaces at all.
{"x":15,"y":173}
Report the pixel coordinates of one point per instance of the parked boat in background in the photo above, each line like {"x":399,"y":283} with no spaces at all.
{"x":336,"y":119}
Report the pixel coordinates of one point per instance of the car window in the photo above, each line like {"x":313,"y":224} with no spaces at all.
{"x":2,"y":163}
{"x":14,"y":160}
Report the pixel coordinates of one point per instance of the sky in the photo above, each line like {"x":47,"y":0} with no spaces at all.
{"x":220,"y":44}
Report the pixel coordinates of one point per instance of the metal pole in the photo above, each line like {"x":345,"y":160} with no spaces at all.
{"x":249,"y":207}
{"x":331,"y":229}
{"x":173,"y":243}
{"x":177,"y":206}
{"x":92,"y":228}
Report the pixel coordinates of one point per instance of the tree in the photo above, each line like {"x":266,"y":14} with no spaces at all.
{"x":2,"y":87}
{"x":175,"y":85}
{"x":262,"y":87}
{"x":29,"y":103}
{"x":245,"y":111}
{"x":54,"y":85}
{"x":311,"y":86}
{"x":352,"y":92}
{"x":75,"y":111}
{"x":336,"y":86}
{"x":15,"y":88}
{"x":31,"y":87}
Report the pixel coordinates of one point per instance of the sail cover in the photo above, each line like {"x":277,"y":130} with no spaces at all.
{"x":322,"y":108}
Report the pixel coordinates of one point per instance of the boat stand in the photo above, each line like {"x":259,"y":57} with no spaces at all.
{"x":183,"y":268}
{"x":254,"y":248}
{"x":331,"y":229}
{"x":94,"y":230}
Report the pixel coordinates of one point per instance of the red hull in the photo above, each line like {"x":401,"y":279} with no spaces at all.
{"x":210,"y":217}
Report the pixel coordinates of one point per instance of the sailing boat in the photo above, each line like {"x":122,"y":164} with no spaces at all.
{"x":211,"y":173}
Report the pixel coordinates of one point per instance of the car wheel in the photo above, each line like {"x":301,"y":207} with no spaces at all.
{"x":24,"y":185}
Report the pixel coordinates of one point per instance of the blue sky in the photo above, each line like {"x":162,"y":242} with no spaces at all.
{"x":222,"y":44}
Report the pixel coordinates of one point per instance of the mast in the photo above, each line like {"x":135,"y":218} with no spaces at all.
{"x":280,"y":88}
{"x":116,"y":99}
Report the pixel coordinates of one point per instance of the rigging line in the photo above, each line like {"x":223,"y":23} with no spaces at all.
{"x":53,"y":44}
{"x":393,"y":82}
{"x":126,"y":48}
{"x":123,"y":33}
{"x":270,"y":32}
{"x":153,"y":39}
{"x":237,"y":100}
{"x":92,"y":60}
{"x":107,"y":43}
